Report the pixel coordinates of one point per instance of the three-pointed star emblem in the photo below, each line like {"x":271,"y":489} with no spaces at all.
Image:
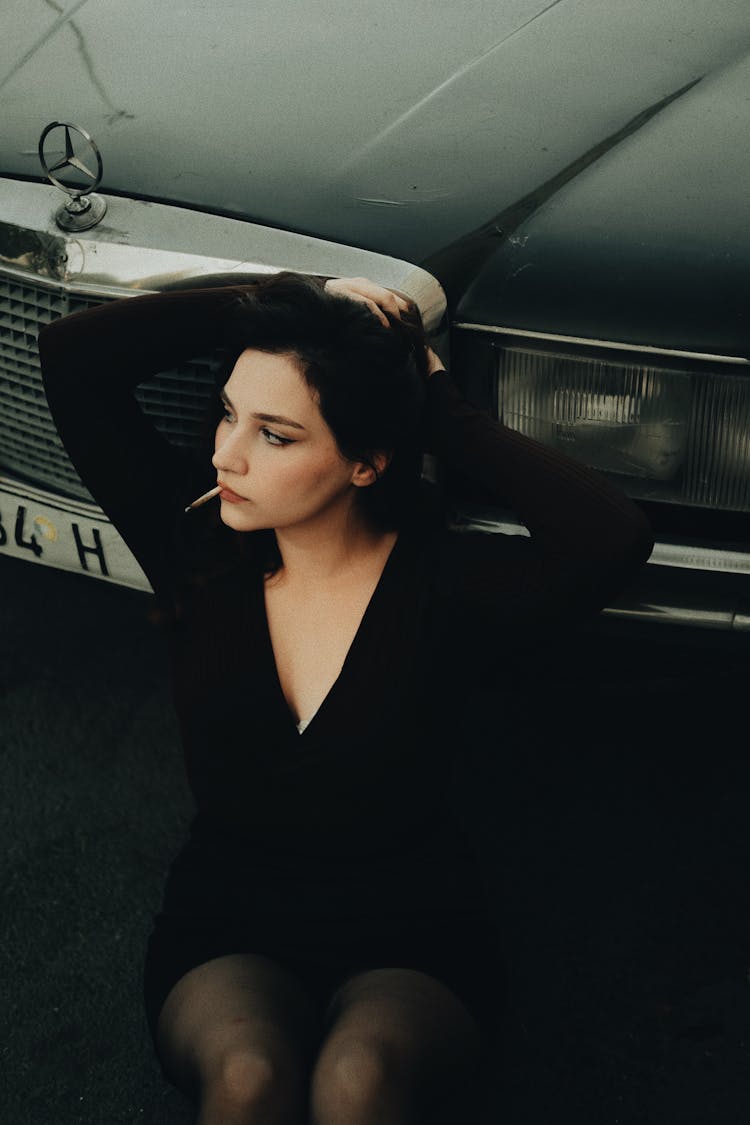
{"x":71,"y":159}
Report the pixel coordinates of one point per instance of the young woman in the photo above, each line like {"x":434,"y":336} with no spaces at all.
{"x":323,"y":951}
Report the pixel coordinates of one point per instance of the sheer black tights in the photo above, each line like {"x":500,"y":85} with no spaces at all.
{"x":242,"y":1038}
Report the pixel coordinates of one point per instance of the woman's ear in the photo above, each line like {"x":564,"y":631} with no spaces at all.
{"x":367,"y":472}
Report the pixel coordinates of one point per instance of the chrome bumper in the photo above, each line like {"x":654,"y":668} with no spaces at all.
{"x":689,"y":584}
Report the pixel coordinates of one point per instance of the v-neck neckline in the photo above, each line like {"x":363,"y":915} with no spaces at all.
{"x":363,"y":626}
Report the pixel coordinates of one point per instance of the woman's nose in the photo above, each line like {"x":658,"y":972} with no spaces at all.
{"x":229,"y":455}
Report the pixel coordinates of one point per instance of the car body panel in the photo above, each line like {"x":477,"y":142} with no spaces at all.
{"x":654,"y":233}
{"x":401,"y":133}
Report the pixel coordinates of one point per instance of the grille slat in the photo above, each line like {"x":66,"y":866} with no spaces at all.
{"x":175,"y":401}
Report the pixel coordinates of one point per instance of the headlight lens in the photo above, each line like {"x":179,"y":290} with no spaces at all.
{"x":667,"y":434}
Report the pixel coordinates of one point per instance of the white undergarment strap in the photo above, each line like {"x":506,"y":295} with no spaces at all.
{"x":304,"y":723}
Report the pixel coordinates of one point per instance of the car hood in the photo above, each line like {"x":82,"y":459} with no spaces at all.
{"x":646,"y":245}
{"x":428,"y":132}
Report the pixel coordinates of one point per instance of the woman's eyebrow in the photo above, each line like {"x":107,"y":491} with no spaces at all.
{"x":279,"y":419}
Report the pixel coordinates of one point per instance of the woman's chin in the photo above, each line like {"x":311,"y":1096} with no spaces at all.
{"x":239,"y":520}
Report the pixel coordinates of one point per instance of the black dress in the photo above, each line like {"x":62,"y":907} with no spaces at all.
{"x":338,"y":849}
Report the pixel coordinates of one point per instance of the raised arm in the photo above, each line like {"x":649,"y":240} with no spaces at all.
{"x":586,"y":537}
{"x":91,"y":364}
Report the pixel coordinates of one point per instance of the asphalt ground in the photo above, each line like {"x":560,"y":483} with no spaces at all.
{"x":609,"y":794}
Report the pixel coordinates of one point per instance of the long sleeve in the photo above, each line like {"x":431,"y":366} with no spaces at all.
{"x":91,"y":364}
{"x":586,"y":538}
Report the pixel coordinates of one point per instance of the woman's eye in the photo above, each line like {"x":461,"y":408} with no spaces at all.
{"x":226,"y":415}
{"x":275,"y":439}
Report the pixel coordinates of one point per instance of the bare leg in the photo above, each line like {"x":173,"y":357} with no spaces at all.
{"x":402,"y":1050}
{"x":237,"y":1035}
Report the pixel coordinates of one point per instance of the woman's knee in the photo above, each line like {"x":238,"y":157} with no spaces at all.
{"x":357,"y":1078}
{"x":250,"y":1080}
{"x":245,"y":1074}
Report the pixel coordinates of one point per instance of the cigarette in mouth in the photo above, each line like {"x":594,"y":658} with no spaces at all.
{"x":206,"y":496}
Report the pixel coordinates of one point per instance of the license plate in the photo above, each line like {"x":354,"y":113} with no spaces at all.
{"x":67,"y":534}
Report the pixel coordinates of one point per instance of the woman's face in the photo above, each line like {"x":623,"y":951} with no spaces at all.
{"x":273,"y":451}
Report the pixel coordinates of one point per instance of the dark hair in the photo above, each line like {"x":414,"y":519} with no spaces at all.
{"x":369,"y":380}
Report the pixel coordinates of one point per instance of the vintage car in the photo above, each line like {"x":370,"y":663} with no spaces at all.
{"x":560,"y":187}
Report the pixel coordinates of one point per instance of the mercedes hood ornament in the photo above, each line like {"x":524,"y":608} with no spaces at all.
{"x":80,"y":156}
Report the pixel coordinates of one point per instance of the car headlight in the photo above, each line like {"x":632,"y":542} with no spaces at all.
{"x":668,"y":434}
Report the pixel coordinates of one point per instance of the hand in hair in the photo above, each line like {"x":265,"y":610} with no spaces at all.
{"x":378,"y":299}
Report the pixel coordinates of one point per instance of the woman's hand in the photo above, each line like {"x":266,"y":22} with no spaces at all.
{"x":434,"y":362}
{"x":378,"y":299}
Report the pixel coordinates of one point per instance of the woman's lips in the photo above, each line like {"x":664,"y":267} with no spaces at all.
{"x":231,"y":497}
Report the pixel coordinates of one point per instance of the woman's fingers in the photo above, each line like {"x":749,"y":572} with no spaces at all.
{"x":380,"y":301}
{"x":377,"y":298}
{"x":434,"y":362}
{"x":375,"y":308}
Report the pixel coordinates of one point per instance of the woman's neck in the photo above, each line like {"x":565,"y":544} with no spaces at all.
{"x":330,"y":549}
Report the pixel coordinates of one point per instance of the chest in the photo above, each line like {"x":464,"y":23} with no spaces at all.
{"x":249,"y":653}
{"x":314,"y":626}
{"x":312,"y":633}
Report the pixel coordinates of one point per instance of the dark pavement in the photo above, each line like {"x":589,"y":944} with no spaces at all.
{"x":610,"y":794}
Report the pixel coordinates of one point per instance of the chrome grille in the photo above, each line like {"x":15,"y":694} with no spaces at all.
{"x":29,"y":446}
